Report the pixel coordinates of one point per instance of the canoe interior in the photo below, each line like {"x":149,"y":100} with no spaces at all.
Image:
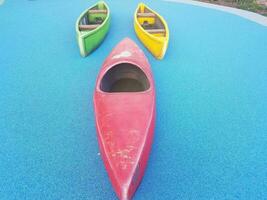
{"x":150,"y":22}
{"x":124,"y":77}
{"x":94,"y":17}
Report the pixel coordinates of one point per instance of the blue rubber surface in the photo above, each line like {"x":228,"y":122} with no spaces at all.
{"x":211,"y":127}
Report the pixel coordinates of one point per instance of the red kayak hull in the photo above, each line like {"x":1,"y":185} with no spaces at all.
{"x":125,"y":121}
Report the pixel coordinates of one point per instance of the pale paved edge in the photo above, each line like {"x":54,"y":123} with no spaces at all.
{"x":242,"y":13}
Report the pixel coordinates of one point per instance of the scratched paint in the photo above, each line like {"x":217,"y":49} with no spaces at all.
{"x":124,"y":157}
{"x":124,"y":54}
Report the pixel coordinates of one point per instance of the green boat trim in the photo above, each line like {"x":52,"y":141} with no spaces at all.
{"x":88,"y":40}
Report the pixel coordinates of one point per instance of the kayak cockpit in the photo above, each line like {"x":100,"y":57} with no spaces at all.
{"x":124,"y":77}
{"x":150,"y":22}
{"x":93,"y":18}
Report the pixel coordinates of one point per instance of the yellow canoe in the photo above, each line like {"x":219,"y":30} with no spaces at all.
{"x":152,"y":30}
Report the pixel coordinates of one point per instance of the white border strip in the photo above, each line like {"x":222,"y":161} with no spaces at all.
{"x":260,"y":19}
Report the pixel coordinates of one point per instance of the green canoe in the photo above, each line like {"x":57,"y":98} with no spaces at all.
{"x":92,"y":27}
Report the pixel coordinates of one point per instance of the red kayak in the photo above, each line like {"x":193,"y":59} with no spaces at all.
{"x":124,"y":102}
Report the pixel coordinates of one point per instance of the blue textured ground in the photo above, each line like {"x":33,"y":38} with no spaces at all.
{"x":211,"y":127}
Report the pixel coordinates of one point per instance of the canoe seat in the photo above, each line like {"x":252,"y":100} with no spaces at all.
{"x":97,"y":11}
{"x":88,"y":27}
{"x":146,"y":15}
{"x":156,"y":30}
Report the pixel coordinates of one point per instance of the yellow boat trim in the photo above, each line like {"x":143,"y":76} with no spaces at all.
{"x":155,"y":43}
